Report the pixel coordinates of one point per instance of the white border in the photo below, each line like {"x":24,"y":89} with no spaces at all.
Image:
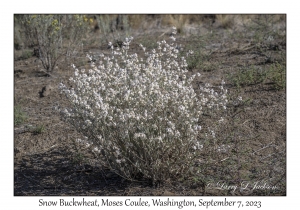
{"x":8,"y":201}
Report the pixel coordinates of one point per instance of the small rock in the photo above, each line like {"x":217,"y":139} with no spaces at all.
{"x":46,"y":91}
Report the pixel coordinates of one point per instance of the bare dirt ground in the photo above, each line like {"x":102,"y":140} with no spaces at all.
{"x":49,"y":161}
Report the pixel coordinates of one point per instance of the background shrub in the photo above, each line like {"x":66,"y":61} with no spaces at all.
{"x":19,"y":115}
{"x":53,"y":36}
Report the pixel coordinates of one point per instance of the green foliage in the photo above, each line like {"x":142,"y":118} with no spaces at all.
{"x":78,"y":158}
{"x":274,"y":74}
{"x":19,"y":115}
{"x":248,"y":76}
{"x":194,"y":61}
{"x":277,"y":75}
{"x":38,"y":129}
{"x":26,"y":54}
{"x":148,"y":42}
{"x":199,"y":59}
{"x":78,"y":152}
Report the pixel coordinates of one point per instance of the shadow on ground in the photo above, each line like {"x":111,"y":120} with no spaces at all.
{"x":53,"y":173}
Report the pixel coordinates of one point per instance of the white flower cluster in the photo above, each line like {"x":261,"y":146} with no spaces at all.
{"x":139,"y":109}
{"x":174,"y":32}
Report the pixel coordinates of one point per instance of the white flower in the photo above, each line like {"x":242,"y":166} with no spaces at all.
{"x":177,"y":134}
{"x":96,"y":150}
{"x":181,"y":107}
{"x":197,"y":127}
{"x":169,"y":131}
{"x":128,"y":102}
{"x":139,"y":135}
{"x":221,"y":120}
{"x":198,"y":146}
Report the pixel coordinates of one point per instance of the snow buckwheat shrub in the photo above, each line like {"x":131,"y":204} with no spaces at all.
{"x":141,"y":113}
